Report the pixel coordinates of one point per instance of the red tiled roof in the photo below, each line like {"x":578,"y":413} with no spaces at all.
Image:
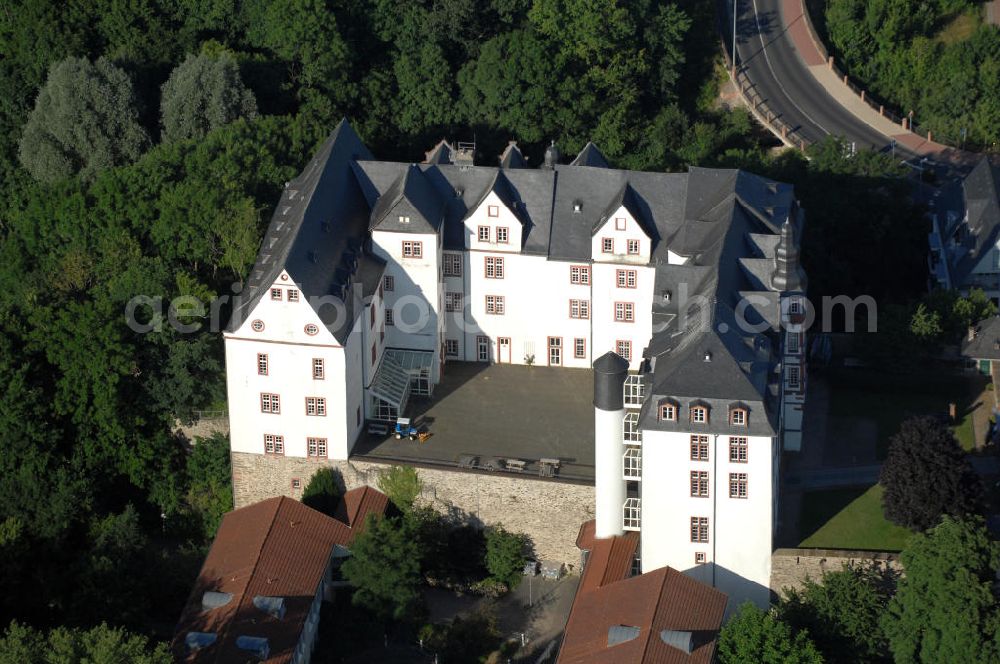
{"x":276,"y":548}
{"x":655,"y":601}
{"x":359,"y":503}
{"x":585,"y":539}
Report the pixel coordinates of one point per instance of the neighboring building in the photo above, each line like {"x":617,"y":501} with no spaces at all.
{"x":373,"y":275}
{"x":965,"y":235}
{"x":661,"y":616}
{"x":259,"y":591}
{"x":982,"y":345}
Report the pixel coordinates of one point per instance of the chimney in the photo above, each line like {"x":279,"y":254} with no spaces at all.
{"x":971,"y":334}
{"x":609,"y":445}
{"x":551,"y":156}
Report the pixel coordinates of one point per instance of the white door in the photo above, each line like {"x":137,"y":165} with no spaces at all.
{"x":503,"y":350}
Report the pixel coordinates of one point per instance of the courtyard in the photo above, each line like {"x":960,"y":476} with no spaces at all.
{"x":501,"y":418}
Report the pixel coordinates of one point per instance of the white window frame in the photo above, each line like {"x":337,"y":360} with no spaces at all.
{"x":319,"y":368}
{"x":739,"y":485}
{"x":503,"y":235}
{"x":632,"y":514}
{"x":316,"y":406}
{"x":632,"y":463}
{"x":631,"y":433}
{"x":451,"y":347}
{"x":452,"y":264}
{"x":579,"y":275}
{"x":739,"y":449}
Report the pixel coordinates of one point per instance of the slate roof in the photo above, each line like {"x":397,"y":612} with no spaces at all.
{"x":590,"y":156}
{"x":723,"y":223}
{"x":319,"y":218}
{"x":275,"y":548}
{"x":985,"y":345}
{"x":512,"y":157}
{"x":645,"y":605}
{"x":981,"y":193}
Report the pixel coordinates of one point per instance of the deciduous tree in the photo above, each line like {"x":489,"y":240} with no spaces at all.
{"x":926,"y":475}
{"x":204,"y":93}
{"x":85,"y":120}
{"x":947,"y":608}
{"x":761,"y":637}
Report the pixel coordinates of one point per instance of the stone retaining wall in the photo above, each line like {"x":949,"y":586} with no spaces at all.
{"x":549,"y":512}
{"x":791,"y":567}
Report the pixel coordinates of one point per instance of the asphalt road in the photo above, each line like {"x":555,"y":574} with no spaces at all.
{"x":773,"y":64}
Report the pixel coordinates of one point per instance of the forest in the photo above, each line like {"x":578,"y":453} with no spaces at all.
{"x":938,"y":59}
{"x":142,"y":147}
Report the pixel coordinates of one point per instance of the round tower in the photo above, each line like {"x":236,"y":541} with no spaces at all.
{"x":610,"y":371}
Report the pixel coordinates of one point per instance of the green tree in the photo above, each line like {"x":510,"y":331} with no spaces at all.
{"x":946,"y":608}
{"x":203,"y":93}
{"x":402,"y":485}
{"x":210,"y":490}
{"x":756,"y":636}
{"x":842,"y":612}
{"x":322,"y":493}
{"x":505,"y":555}
{"x":926,"y":475}
{"x":85,"y":120}
{"x":103,"y":644}
{"x":384,"y":569}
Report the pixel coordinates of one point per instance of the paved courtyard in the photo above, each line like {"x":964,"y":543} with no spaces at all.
{"x":497,"y":412}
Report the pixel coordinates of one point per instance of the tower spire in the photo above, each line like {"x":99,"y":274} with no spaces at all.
{"x":786,"y":275}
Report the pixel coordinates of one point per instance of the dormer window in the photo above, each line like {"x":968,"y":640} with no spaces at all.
{"x":668,"y":412}
{"x":577,"y":207}
{"x":619,"y":223}
{"x":493,"y":210}
{"x":738,"y":417}
{"x":699,"y":414}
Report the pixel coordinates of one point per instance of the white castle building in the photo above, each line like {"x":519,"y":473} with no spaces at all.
{"x":374,"y":275}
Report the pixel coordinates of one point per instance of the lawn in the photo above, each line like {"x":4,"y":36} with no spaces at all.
{"x":888,"y":400}
{"x":848,"y":519}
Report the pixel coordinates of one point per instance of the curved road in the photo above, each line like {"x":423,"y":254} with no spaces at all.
{"x":767,"y":53}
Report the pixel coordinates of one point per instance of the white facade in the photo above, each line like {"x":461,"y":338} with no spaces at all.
{"x":735,"y":556}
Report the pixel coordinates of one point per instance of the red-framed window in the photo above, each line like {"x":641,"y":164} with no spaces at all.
{"x":494,"y":267}
{"x":738,"y":417}
{"x":699,"y":484}
{"x":624,"y":312}
{"x":624,"y":348}
{"x":668,"y":412}
{"x":274,"y":444}
{"x":608,"y":245}
{"x":502,"y":235}
{"x":580,"y":348}
{"x":738,"y":485}
{"x":316,"y":448}
{"x":413,"y":249}
{"x":699,"y":448}
{"x":311,"y":329}
{"x":699,"y":414}
{"x":738,"y":449}
{"x":699,"y":529}
{"x":495,"y":305}
{"x":484,"y":233}
{"x":296,"y":484}
{"x":293,"y":294}
{"x":257,"y":325}
{"x":275,"y":293}
{"x":316,"y":406}
{"x":493,"y":210}
{"x":579,"y":308}
{"x":270,"y":403}
{"x":262,"y":364}
{"x":319,"y":368}
{"x":633,"y":247}
{"x":555,"y":351}
{"x":579,"y":274}
{"x":625,"y":278}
